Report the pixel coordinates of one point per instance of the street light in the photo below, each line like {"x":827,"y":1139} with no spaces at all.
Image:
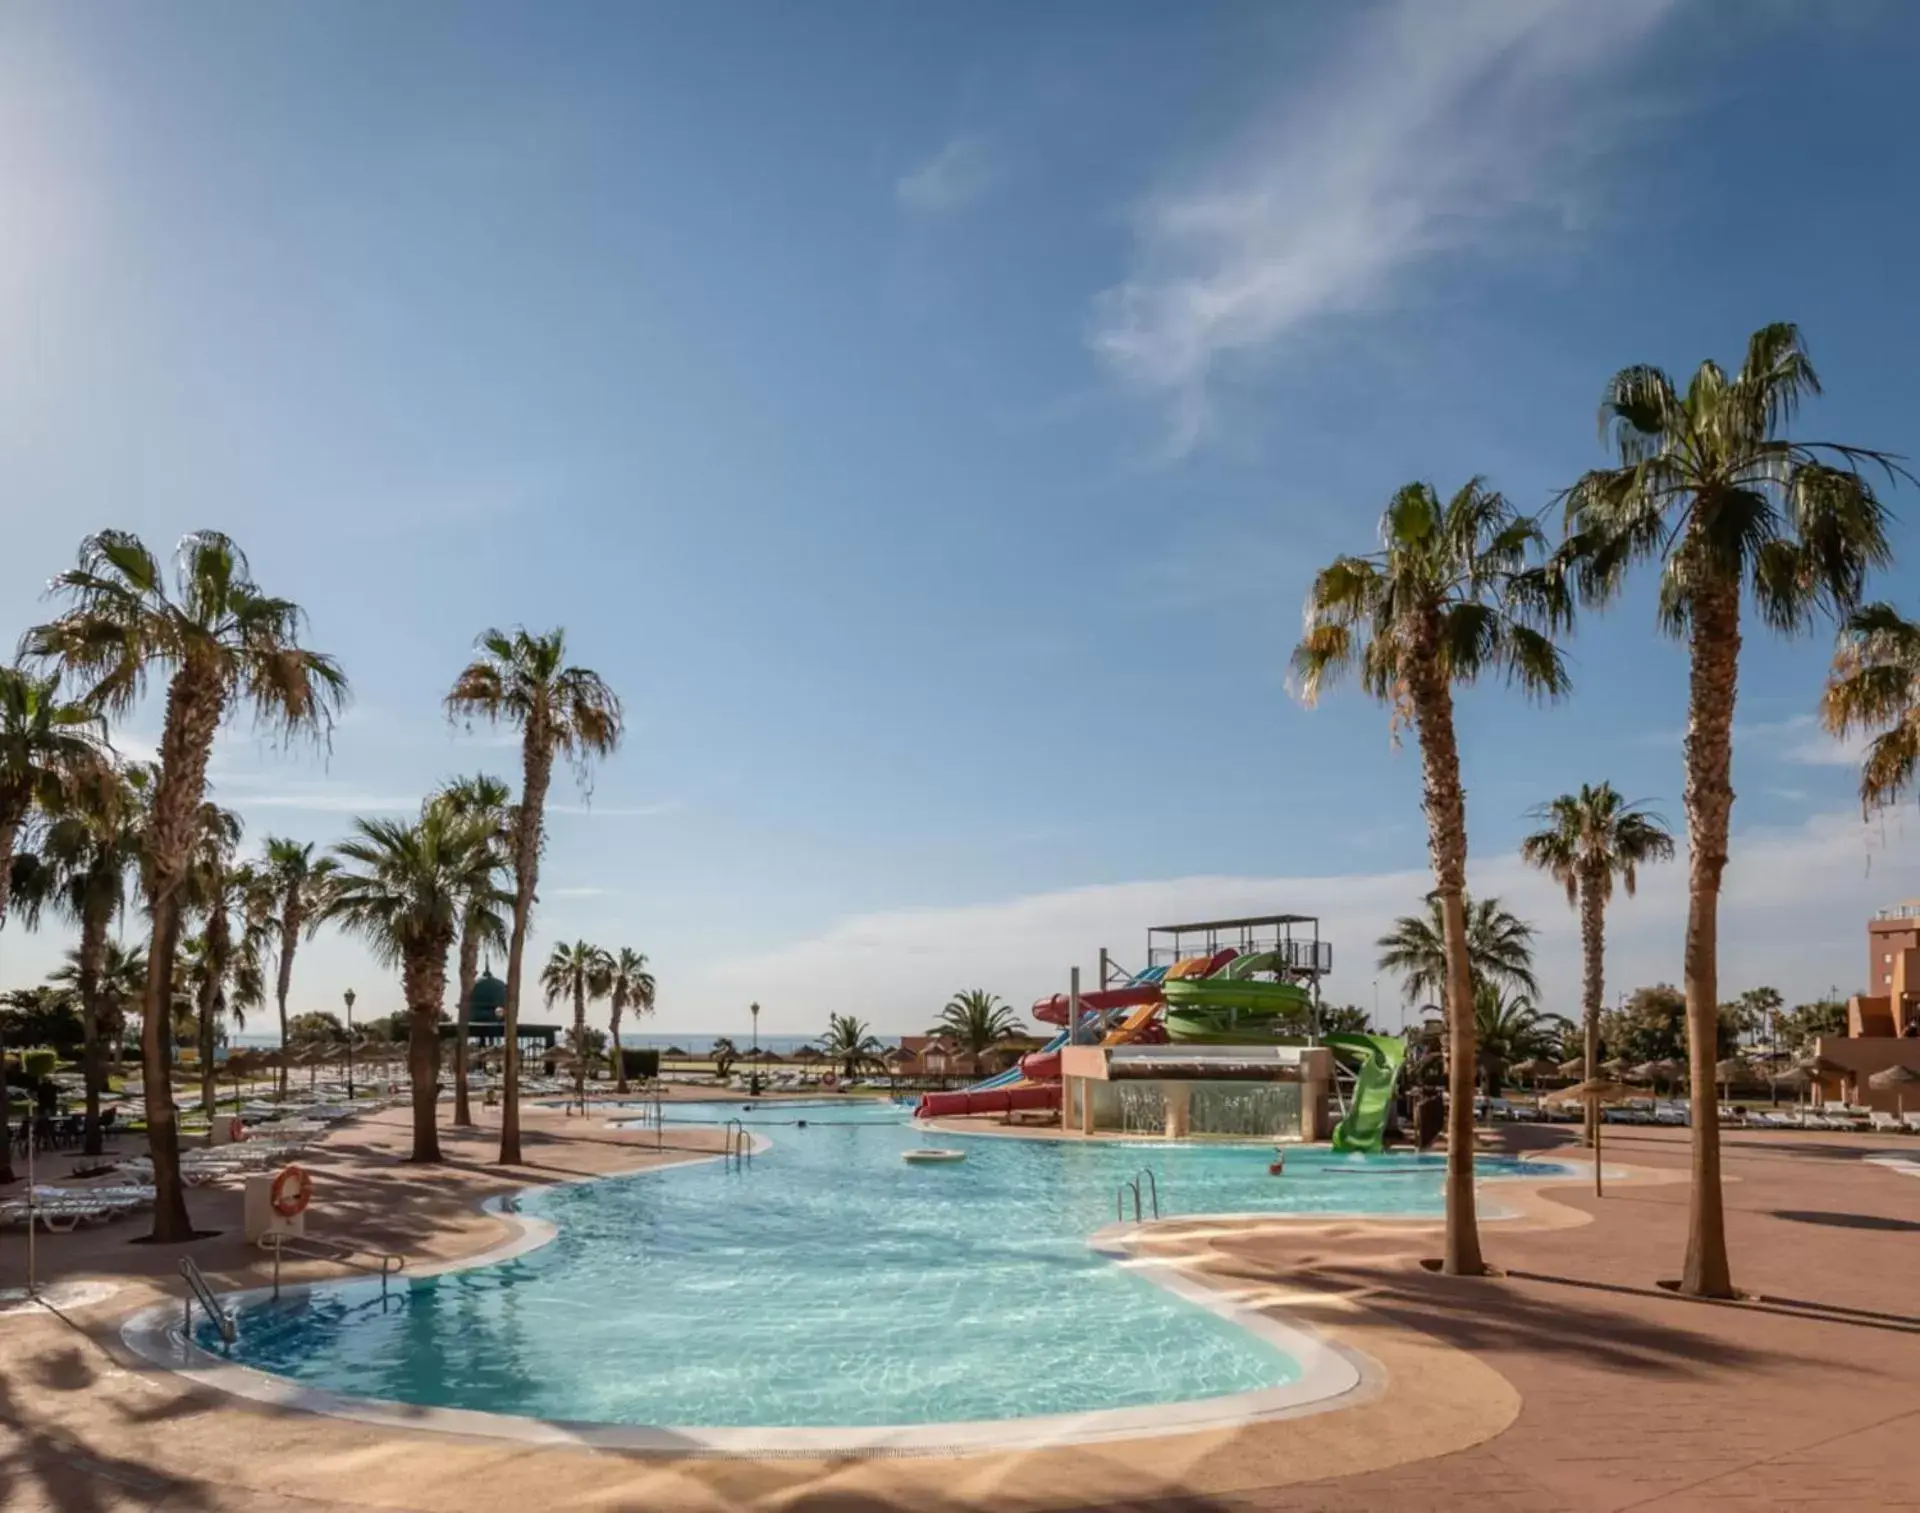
{"x":753,"y":1077}
{"x":348,"y":995}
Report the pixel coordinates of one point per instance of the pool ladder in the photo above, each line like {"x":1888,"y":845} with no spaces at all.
{"x":197,"y":1289}
{"x":739,"y":1147}
{"x":1132,"y":1185}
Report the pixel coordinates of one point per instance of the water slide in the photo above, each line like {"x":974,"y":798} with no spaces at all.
{"x":1234,"y":1011}
{"x":1381,"y":1058}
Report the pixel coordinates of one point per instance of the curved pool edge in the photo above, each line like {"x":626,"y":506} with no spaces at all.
{"x":1332,"y":1376}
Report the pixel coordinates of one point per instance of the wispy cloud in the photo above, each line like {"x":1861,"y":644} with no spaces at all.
{"x":955,"y":177}
{"x":323,"y":801}
{"x":1437,"y":129}
{"x":1790,"y":916}
{"x":575,"y":892}
{"x":620,"y":811}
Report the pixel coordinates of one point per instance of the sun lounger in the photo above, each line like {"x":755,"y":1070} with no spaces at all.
{"x":1912,"y":1122}
{"x":1884,"y":1122}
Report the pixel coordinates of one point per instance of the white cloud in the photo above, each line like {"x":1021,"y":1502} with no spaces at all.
{"x":618,"y":811}
{"x":1791,"y":915}
{"x":955,"y":177}
{"x":1439,"y":128}
{"x":328,"y":801}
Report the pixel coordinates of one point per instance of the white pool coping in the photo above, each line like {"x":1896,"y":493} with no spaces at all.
{"x":1330,"y":1377}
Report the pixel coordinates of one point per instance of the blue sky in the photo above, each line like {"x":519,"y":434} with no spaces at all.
{"x":929,"y":420}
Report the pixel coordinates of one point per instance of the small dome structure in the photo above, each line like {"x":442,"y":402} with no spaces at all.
{"x":489,"y":998}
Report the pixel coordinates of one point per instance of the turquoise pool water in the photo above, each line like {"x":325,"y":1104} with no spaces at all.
{"x":829,"y":1283}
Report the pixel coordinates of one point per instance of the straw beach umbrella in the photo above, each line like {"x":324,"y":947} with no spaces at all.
{"x":1656,"y":1072}
{"x":1898,"y":1079}
{"x":1574,"y":1066}
{"x":1733,"y":1069}
{"x":1535,"y":1069}
{"x":1593,"y":1094}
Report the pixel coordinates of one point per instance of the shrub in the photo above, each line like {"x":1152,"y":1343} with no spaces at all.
{"x":643,"y":1062}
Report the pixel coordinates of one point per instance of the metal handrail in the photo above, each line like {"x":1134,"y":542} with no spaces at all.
{"x":1153,"y":1187}
{"x":739,"y":1144}
{"x":1120,"y":1201}
{"x":197,"y":1288}
{"x":342,"y":1252}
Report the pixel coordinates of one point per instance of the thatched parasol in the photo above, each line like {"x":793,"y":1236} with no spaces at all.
{"x":1573,"y":1066}
{"x":1600,"y":1090}
{"x":1535,"y":1069}
{"x":1615,"y":1068}
{"x":809,"y":1053}
{"x":1656,"y":1072}
{"x":1897,"y":1078}
{"x":1592,"y":1095}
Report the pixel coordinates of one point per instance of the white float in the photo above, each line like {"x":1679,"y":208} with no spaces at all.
{"x":932,"y":1154}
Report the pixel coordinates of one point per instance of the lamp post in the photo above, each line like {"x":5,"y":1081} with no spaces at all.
{"x":753,"y":1077}
{"x":348,"y":996}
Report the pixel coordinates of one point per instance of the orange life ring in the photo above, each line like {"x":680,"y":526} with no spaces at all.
{"x":236,"y":1130}
{"x":292,"y":1192}
{"x":829,"y":1081}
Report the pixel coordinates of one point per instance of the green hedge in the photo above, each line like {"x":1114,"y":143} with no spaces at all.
{"x":640,"y":1062}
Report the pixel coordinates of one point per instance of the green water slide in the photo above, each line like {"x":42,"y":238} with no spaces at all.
{"x":1380,"y":1058}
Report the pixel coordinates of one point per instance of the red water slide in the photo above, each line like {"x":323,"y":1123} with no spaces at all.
{"x":995,"y":1100}
{"x":1054,"y":1010}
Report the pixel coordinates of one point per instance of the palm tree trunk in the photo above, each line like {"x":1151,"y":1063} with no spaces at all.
{"x":580,"y":1041}
{"x":1715,"y":652}
{"x":93,"y":950}
{"x":469,"y":975}
{"x":425,"y":977}
{"x":289,"y":943}
{"x":1593,"y":984}
{"x":1446,"y":807}
{"x":171,"y":1224}
{"x":9,"y":834}
{"x":613,"y":1049}
{"x":537,"y":773}
{"x":209,"y":994}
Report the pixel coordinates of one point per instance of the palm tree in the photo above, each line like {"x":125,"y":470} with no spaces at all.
{"x":849,"y":1044}
{"x":294,"y":884}
{"x":977,"y":1020}
{"x":1709,"y":488}
{"x":1508,"y":1028}
{"x":489,"y":800}
{"x":401,"y":887}
{"x":561,"y":710}
{"x":45,"y":743}
{"x":629,"y":986}
{"x":1875,"y":686}
{"x":87,"y":849}
{"x":1450,"y":595}
{"x":1499,"y":950}
{"x":1590,"y":838}
{"x":223,"y":644}
{"x":583,"y":973}
{"x":223,"y":979}
{"x":215,"y":888}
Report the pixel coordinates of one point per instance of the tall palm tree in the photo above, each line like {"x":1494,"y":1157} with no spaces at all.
{"x":562,"y":710}
{"x":583,"y":973}
{"x":1499,"y":950}
{"x":977,"y":1020}
{"x":1451,"y":594}
{"x":1875,"y":686}
{"x":87,"y":850}
{"x":1589,"y":838}
{"x":120,"y":980}
{"x":223,"y":645}
{"x":294,"y":887}
{"x":629,"y":986}
{"x":401,"y":887}
{"x":849,"y":1044}
{"x":1709,"y":487}
{"x":45,"y":743}
{"x":219,"y":892}
{"x":482,"y":926}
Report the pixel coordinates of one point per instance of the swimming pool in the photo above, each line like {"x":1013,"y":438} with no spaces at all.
{"x":831,"y":1283}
